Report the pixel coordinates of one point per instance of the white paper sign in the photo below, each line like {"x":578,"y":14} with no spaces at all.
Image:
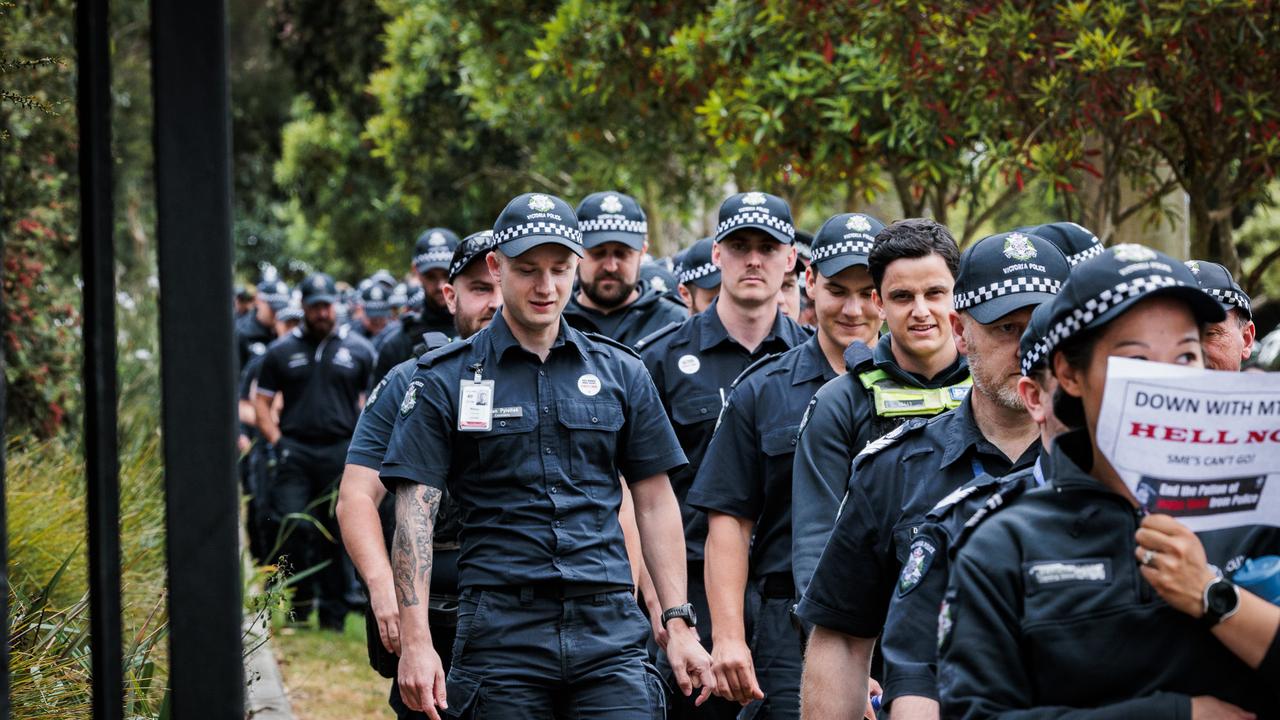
{"x":1200,"y":445}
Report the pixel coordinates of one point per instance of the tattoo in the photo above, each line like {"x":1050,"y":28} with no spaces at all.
{"x":411,"y":552}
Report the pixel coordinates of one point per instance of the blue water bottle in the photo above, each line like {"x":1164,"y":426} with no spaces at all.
{"x":1261,"y":576}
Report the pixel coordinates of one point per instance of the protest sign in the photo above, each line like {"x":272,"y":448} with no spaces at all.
{"x":1200,"y":445}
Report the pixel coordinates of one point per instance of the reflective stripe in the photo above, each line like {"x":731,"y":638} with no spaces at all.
{"x":892,"y":399}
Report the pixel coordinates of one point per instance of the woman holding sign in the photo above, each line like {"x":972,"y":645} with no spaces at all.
{"x":1047,"y":612}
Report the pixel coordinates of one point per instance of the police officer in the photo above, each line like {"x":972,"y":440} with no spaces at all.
{"x":1046,"y":612}
{"x":256,"y":330}
{"x":898,"y":478}
{"x":910,"y":638}
{"x":529,"y":424}
{"x":366,"y":511}
{"x":694,"y":363}
{"x":744,"y":484}
{"x":431,"y":257}
{"x":322,"y":374}
{"x":914,"y":371}
{"x":699,"y":276}
{"x":611,"y":298}
{"x":1229,"y":343}
{"x":374,"y":311}
{"x":1075,"y":241}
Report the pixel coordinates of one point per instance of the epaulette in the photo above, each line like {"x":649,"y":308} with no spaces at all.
{"x":890,"y":438}
{"x":752,"y":368}
{"x":944,"y":506}
{"x":999,"y":499}
{"x":856,"y":354}
{"x":430,"y":341}
{"x":606,"y":340}
{"x":434,"y":356}
{"x":657,"y":335}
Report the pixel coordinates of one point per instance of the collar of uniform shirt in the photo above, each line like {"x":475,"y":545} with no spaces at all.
{"x":964,"y":434}
{"x":1066,"y":465}
{"x":501,"y":339}
{"x":713,"y":331}
{"x":811,"y":363}
{"x":884,"y":360}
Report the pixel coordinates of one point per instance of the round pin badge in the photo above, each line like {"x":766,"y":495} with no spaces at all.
{"x":589,"y":385}
{"x":689,"y":364}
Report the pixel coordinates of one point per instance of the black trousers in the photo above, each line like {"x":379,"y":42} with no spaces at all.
{"x":302,"y":501}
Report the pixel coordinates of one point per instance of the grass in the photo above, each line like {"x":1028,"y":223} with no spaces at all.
{"x":328,"y":675}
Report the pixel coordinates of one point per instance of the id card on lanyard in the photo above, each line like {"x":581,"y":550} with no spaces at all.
{"x":475,"y":404}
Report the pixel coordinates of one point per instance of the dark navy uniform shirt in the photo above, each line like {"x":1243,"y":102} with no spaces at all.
{"x":896,"y":480}
{"x":746,"y":472}
{"x":1047,"y":614}
{"x":694,"y":364}
{"x":322,"y":380}
{"x":252,"y":337}
{"x":539,"y":493}
{"x":651,"y":312}
{"x":910,"y":640}
{"x":395,"y":344}
{"x":840,"y":422}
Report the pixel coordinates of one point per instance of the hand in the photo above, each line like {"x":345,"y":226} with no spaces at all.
{"x":1204,"y":707}
{"x":690,"y":662}
{"x":734,"y":671}
{"x":660,"y":634}
{"x":382,"y":600}
{"x":421,"y":676}
{"x":1178,"y":569}
{"x":873,"y":690}
{"x":243,"y":443}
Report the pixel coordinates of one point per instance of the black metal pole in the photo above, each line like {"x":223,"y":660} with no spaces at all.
{"x":4,"y":518}
{"x":97,"y":262}
{"x":197,"y":359}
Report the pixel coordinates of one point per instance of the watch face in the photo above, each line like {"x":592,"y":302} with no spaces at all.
{"x":1222,"y":598}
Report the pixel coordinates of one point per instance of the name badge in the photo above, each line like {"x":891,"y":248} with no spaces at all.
{"x":475,"y":406}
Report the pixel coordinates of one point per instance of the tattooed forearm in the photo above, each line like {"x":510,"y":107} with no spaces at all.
{"x":411,"y":554}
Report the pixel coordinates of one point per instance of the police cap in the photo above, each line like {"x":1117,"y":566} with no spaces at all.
{"x":319,"y":288}
{"x":1037,"y":329}
{"x":274,"y":293}
{"x":434,"y":249}
{"x":758,"y":210}
{"x":473,"y":247}
{"x":534,"y":219}
{"x":843,"y":241}
{"x":376,"y":301}
{"x":697,"y":267}
{"x":611,"y":216}
{"x":1006,"y":272}
{"x":1217,"y":281}
{"x":1077,"y":242}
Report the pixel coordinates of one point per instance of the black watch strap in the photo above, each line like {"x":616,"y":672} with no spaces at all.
{"x":684,"y":612}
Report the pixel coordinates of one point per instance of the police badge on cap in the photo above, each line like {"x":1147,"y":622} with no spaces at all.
{"x":843,"y":241}
{"x":434,"y":249}
{"x":612,"y":216}
{"x":1006,"y":272}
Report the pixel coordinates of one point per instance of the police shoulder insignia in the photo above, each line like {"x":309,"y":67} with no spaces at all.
{"x":410,"y":397}
{"x":808,"y":412}
{"x":946,"y":620}
{"x":656,"y":335}
{"x":752,"y":368}
{"x":1007,"y":494}
{"x":893,"y":436}
{"x":373,"y":396}
{"x":606,"y":340}
{"x":919,"y":558}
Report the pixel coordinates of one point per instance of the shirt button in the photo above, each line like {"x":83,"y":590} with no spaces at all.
{"x":595,"y":420}
{"x":555,"y":489}
{"x":502,"y":423}
{"x":549,"y":451}
{"x":545,"y":410}
{"x":559,"y":524}
{"x":702,"y":410}
{"x":542,"y":373}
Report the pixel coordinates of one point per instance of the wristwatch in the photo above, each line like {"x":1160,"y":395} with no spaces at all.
{"x":1221,"y":601}
{"x":684,"y":612}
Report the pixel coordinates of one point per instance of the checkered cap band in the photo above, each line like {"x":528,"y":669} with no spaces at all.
{"x":1081,"y":316}
{"x":274,"y":297}
{"x":476,"y":247}
{"x":756,"y":218}
{"x":688,"y":275}
{"x":605,"y":224}
{"x":443,"y":255}
{"x":376,"y":304}
{"x":1092,"y":251}
{"x":1231,"y":297}
{"x":844,"y":247}
{"x":1007,"y":286}
{"x":515,"y":232}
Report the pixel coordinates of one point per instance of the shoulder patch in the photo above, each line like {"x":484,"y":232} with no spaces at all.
{"x":410,"y":400}
{"x":993,"y":504}
{"x":435,"y":356}
{"x":919,"y":559}
{"x":606,"y":340}
{"x":892,"y":437}
{"x":373,"y":395}
{"x":656,"y":335}
{"x":752,"y":368}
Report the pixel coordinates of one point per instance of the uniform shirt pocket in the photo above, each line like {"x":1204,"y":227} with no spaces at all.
{"x":695,"y":409}
{"x":780,"y":442}
{"x":592,"y":428}
{"x":507,"y":443}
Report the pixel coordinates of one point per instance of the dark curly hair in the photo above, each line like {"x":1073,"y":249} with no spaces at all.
{"x":912,"y":238}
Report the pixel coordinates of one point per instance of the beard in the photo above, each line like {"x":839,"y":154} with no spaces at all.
{"x":466,"y":326}
{"x":608,"y":299}
{"x":1001,"y":393}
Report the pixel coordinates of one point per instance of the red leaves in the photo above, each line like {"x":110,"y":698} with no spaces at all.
{"x":1217,"y":101}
